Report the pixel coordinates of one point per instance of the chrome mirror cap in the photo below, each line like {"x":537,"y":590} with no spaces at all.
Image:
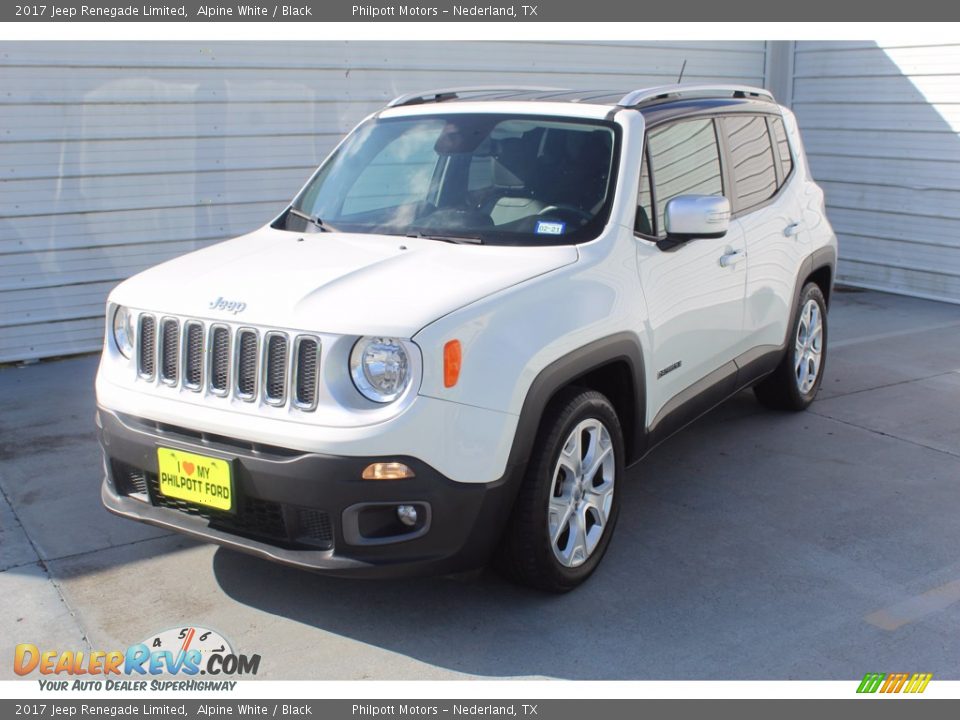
{"x":688,"y":217}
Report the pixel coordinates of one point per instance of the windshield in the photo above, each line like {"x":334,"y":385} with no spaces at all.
{"x":498,"y":179}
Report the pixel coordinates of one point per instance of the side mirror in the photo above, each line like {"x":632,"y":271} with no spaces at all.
{"x":688,"y":217}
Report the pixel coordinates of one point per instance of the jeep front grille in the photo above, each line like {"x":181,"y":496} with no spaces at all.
{"x":280,"y":369}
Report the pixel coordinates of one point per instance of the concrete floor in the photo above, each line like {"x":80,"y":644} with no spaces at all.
{"x":754,"y":545}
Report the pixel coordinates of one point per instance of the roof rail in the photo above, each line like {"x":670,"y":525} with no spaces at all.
{"x":453,"y":93}
{"x":663,"y":92}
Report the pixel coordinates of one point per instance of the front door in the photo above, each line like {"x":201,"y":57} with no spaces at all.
{"x":695,"y":292}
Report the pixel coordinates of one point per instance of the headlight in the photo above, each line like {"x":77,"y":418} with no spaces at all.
{"x":123,"y":330}
{"x":380,"y":368}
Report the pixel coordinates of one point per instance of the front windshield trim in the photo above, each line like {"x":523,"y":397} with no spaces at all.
{"x":588,"y":230}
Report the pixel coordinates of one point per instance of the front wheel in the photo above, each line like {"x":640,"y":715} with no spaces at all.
{"x":795,"y":382}
{"x":567,"y":507}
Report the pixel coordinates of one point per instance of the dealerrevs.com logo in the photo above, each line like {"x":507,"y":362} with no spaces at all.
{"x":185,"y":652}
{"x":888,"y":683}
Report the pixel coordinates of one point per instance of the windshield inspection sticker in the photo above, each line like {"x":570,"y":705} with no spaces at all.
{"x":550,"y":227}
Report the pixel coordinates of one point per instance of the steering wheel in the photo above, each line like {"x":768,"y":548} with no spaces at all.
{"x":561,"y":209}
{"x":458,"y":218}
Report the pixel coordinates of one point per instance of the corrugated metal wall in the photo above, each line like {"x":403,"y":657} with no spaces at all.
{"x":881,"y":129}
{"x":116,"y":156}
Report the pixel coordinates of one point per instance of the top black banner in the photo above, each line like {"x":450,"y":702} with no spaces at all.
{"x":443,"y":11}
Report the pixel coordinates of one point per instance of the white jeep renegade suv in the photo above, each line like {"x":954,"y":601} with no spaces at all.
{"x":482,"y":308}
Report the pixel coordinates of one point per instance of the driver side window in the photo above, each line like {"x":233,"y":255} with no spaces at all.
{"x":684,"y":160}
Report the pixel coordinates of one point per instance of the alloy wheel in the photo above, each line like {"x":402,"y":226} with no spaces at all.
{"x":808,"y":348}
{"x":581,"y":496}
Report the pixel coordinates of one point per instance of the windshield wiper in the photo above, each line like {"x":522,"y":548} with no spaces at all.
{"x":456,"y":239}
{"x":311,"y":218}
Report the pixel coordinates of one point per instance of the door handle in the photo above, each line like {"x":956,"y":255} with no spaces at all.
{"x":791,"y":229}
{"x":732,"y":258}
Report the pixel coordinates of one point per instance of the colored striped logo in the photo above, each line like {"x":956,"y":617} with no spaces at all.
{"x":894,"y":682}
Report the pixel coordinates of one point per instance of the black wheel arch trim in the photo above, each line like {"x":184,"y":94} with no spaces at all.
{"x":824,"y":257}
{"x":565,"y":371}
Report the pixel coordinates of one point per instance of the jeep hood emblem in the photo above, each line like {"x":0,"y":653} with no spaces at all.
{"x":231,"y":306}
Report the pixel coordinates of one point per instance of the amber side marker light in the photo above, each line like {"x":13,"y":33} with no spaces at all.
{"x":387,"y":471}
{"x":452,"y":356}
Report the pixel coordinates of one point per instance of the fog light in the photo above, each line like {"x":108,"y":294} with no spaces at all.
{"x":386,"y":471}
{"x":407,"y":514}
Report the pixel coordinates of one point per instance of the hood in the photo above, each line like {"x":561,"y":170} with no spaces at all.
{"x":334,"y":282}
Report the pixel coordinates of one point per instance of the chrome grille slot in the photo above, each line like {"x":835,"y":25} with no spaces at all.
{"x":193,"y":356}
{"x":169,"y":350}
{"x":306,"y":372}
{"x":217,"y":359}
{"x":220,"y":360}
{"x":247,"y":346}
{"x":275,"y":368}
{"x":147,"y":348}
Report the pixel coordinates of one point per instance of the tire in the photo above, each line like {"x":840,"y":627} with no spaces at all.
{"x":562,"y":522}
{"x":795,"y":382}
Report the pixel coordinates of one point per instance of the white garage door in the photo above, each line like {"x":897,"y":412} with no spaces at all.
{"x":881,"y":129}
{"x":116,"y":156}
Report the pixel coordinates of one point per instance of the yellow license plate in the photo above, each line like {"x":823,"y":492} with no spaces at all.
{"x":195,"y":478}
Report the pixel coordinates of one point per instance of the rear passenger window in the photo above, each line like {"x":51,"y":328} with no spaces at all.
{"x":684,"y":160}
{"x":751,"y":160}
{"x":783,"y":146}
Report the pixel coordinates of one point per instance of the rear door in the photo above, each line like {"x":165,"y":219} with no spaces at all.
{"x":768,"y":212}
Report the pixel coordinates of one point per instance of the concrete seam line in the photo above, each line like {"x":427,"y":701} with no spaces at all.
{"x":72,"y":556}
{"x":46,"y":570}
{"x":893,"y":333}
{"x":888,"y":435}
{"x":888,"y":385}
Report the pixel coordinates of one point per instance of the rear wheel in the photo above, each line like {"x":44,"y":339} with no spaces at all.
{"x":567,"y":507}
{"x":795,"y":382}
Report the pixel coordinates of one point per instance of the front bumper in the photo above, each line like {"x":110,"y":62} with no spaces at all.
{"x":308,"y":510}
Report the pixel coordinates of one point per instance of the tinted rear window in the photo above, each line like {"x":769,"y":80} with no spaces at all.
{"x":751,"y":159}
